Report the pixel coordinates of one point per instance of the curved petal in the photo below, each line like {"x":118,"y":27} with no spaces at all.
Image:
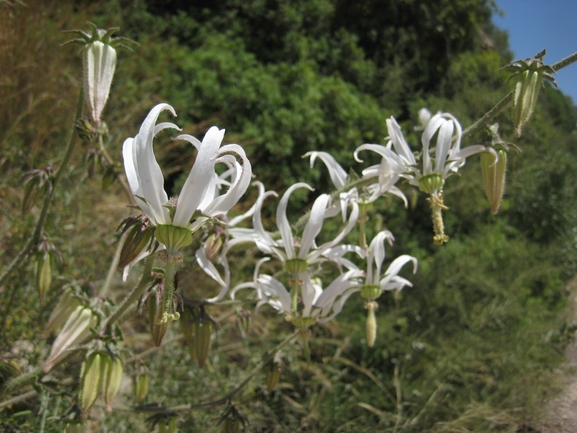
{"x":430,"y":130}
{"x":336,"y":172}
{"x":401,"y":146}
{"x":282,"y":220}
{"x":271,"y":286}
{"x":444,"y":142}
{"x":314,"y":224}
{"x":199,"y":178}
{"x":150,"y":175}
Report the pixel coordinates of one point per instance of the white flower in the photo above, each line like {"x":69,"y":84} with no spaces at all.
{"x":386,"y":182}
{"x":448,"y":157}
{"x":198,"y":200}
{"x":390,"y":280}
{"x":297,"y":255}
{"x":99,"y":64}
{"x":315,"y":304}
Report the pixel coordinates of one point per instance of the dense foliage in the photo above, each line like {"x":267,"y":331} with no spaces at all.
{"x":470,"y":347}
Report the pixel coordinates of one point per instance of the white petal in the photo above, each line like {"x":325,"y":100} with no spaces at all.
{"x":336,"y":172}
{"x":314,"y":224}
{"x":282,"y":220}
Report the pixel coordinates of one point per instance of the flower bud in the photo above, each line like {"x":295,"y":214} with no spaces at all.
{"x":75,"y":331}
{"x":158,"y":328}
{"x":111,"y":379}
{"x":36,"y":182}
{"x":43,"y":274}
{"x":9,"y":369}
{"x":141,"y":383}
{"x":90,"y":380}
{"x":140,"y":237}
{"x":213,"y":245}
{"x":202,"y":333}
{"x":371,"y":323}
{"x":66,"y":305}
{"x":494,"y":177}
{"x":99,"y":65}
{"x":528,"y":76}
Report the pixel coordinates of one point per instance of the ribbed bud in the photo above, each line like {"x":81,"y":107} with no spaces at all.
{"x":173,"y":237}
{"x":99,"y":66}
{"x":202,"y":334}
{"x":525,"y":96}
{"x":371,"y":323}
{"x":66,"y":305}
{"x":302,"y":322}
{"x":140,"y":236}
{"x":43,"y":274}
{"x":494,"y":177}
{"x":155,"y":313}
{"x":36,"y":182}
{"x":172,"y":425}
{"x":213,"y":245}
{"x":141,"y":383}
{"x":75,"y":331}
{"x":90,"y":380}
{"x":111,"y":379}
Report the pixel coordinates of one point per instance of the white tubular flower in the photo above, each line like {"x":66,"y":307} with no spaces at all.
{"x":315,"y":304}
{"x":430,"y":175}
{"x":99,"y":65}
{"x":296,"y":255}
{"x":199,"y":200}
{"x":386,"y":182}
{"x":375,"y":285}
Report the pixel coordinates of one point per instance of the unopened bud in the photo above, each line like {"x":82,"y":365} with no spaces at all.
{"x":213,"y":245}
{"x":90,"y":378}
{"x":371,"y":323}
{"x":43,"y":274}
{"x":75,"y":331}
{"x":141,"y":387}
{"x":111,"y":379}
{"x":66,"y":305}
{"x":9,"y":369}
{"x":36,"y":182}
{"x":202,"y":334}
{"x":140,"y":236}
{"x":494,"y":177}
{"x":158,"y":328}
{"x":99,"y":65}
{"x":528,"y":76}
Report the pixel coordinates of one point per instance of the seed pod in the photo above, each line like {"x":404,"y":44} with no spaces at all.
{"x":90,"y":377}
{"x":75,"y":331}
{"x":202,"y":333}
{"x":43,"y":274}
{"x":141,"y":387}
{"x":111,"y":379}
{"x":66,"y":305}
{"x":494,"y":177}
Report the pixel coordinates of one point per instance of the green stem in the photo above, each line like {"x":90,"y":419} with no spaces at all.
{"x":118,"y":175}
{"x":169,"y":274}
{"x":18,"y":399}
{"x":266,"y":358}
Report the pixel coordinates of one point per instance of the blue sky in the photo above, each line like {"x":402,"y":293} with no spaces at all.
{"x":536,"y":24}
